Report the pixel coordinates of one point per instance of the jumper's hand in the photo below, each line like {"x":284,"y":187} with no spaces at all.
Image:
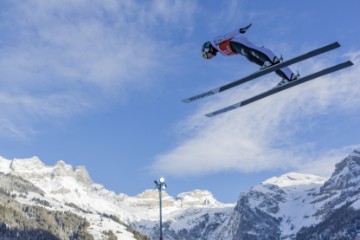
{"x":243,"y":30}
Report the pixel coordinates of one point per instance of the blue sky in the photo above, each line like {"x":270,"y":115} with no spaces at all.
{"x":99,"y":83}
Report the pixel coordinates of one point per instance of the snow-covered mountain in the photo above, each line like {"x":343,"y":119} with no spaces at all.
{"x":299,"y":206}
{"x":64,"y":188}
{"x":291,"y":206}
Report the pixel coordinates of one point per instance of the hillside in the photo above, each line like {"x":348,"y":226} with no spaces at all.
{"x":62,"y":202}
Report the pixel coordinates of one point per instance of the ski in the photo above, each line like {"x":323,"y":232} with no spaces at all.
{"x":283,"y":87}
{"x":265,"y":71}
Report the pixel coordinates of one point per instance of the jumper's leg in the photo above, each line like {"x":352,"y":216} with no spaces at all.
{"x":259,"y":55}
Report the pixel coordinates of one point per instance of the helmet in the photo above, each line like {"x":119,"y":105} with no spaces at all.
{"x":207,"y":48}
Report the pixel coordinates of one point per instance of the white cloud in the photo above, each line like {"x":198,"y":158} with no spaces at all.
{"x":262,"y":136}
{"x":324,"y":164}
{"x":59,"y":58}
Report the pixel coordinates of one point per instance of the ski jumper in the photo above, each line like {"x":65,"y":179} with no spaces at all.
{"x":231,"y":43}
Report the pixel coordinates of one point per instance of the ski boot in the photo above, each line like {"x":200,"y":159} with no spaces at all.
{"x":286,"y":81}
{"x":267,"y":64}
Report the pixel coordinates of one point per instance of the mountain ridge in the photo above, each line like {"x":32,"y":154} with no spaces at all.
{"x":290,"y":206}
{"x":64,"y":187}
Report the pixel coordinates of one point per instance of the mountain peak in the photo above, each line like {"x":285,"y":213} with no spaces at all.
{"x":294,"y":179}
{"x":61,"y":163}
{"x":152,"y":194}
{"x":82,"y":175}
{"x":27,"y":164}
{"x":355,"y":153}
{"x":346,"y":172}
{"x":350,"y":165}
{"x":197,"y":198}
{"x":34,"y":168}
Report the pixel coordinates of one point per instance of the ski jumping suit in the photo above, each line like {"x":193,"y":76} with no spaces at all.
{"x":230,"y":44}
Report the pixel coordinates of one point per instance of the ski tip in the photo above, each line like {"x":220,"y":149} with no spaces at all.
{"x":212,"y":114}
{"x":202,"y":95}
{"x":223,"y":110}
{"x":346,"y":64}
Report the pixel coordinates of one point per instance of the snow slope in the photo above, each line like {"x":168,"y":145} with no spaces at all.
{"x":68,"y":188}
{"x":291,"y":206}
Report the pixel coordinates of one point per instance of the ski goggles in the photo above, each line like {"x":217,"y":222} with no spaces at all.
{"x":206,"y":49}
{"x":205,"y":55}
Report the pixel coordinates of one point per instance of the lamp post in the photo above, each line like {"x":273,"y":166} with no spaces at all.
{"x":160,"y":186}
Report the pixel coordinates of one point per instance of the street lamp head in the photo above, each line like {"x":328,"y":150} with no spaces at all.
{"x":162,"y":180}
